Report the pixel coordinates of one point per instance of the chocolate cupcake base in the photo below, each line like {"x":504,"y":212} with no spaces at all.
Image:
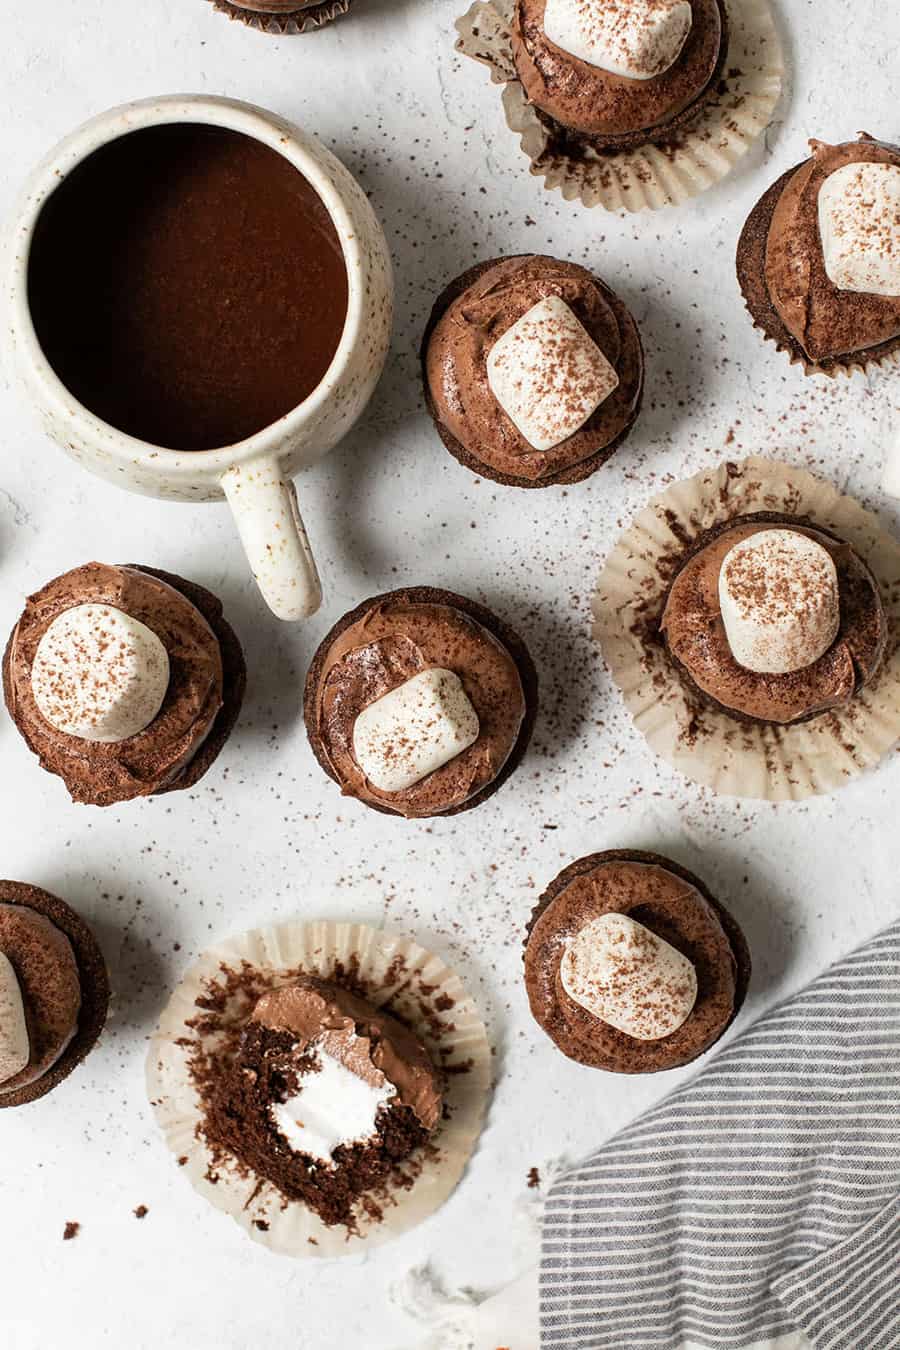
{"x":751,"y":274}
{"x":578,"y":472}
{"x":234,"y":679}
{"x":431,"y":595}
{"x":740,"y":953}
{"x":207,"y":1012}
{"x":650,"y":177}
{"x":705,"y":744}
{"x":288,"y":23}
{"x":864,"y":625}
{"x":93,"y":978}
{"x":567,"y":141}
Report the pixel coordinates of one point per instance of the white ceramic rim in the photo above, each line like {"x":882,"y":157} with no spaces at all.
{"x":266,"y":127}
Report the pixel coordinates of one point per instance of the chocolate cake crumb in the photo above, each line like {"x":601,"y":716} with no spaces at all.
{"x":534,"y":1178}
{"x":240,"y":1068}
{"x":141,"y":1212}
{"x":71,"y":1230}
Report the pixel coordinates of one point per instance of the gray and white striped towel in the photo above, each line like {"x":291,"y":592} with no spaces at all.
{"x":761,"y":1198}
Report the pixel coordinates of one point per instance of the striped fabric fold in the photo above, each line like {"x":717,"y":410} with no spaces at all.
{"x":759,"y":1199}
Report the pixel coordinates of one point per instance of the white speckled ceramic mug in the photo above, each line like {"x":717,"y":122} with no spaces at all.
{"x":254,"y":474}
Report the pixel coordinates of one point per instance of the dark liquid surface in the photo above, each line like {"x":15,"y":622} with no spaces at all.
{"x":187,"y":285}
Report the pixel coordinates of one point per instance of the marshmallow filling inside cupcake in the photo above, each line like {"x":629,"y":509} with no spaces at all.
{"x":326,"y":1096}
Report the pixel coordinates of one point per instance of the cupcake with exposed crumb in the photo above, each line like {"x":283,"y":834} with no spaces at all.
{"x":325,"y":1097}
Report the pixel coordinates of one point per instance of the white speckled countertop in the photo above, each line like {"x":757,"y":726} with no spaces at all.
{"x":265,"y":836}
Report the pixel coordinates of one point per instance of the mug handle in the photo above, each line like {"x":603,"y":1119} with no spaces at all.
{"x":264,"y":505}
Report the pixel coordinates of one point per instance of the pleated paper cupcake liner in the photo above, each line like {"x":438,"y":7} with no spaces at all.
{"x":648,"y":177}
{"x":771,"y":763}
{"x":288,"y":24}
{"x":396,"y":973}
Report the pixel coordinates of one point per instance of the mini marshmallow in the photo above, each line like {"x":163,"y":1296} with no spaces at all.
{"x":419,"y":726}
{"x":334,"y":1106}
{"x":15,"y":1050}
{"x":859,"y":225}
{"x":99,"y":674}
{"x":548,"y":374}
{"x":638,"y":39}
{"x":780,"y":601}
{"x":627,"y":976}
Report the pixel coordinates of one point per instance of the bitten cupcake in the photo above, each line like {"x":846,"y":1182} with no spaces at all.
{"x":819,"y":258}
{"x":631,"y":965}
{"x":124,"y":680}
{"x":323,"y":1096}
{"x":322,"y":1083}
{"x":618,"y":74}
{"x":54,"y":992}
{"x":774,"y":621}
{"x":420,"y":703}
{"x":533,"y":371}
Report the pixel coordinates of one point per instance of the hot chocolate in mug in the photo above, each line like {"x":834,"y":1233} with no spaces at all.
{"x":254,"y":473}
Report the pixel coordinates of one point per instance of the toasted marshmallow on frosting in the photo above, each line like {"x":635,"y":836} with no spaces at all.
{"x":99,"y":674}
{"x":415,"y":729}
{"x":15,"y":1050}
{"x":859,"y":225}
{"x":780,"y":601}
{"x":548,"y":374}
{"x":334,"y":1106}
{"x":638,"y":39}
{"x":627,"y":976}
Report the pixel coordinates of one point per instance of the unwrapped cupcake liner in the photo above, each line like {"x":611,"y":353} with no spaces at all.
{"x":285,"y":25}
{"x":770,"y":763}
{"x":396,"y":973}
{"x":649,"y":176}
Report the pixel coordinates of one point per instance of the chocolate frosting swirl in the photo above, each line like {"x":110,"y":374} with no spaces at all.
{"x":669,"y":906}
{"x":601,"y":104}
{"x":823,"y":319}
{"x":99,"y":773}
{"x":695,"y":633}
{"x":393,"y":641}
{"x":456,"y":363}
{"x":365,"y":1039}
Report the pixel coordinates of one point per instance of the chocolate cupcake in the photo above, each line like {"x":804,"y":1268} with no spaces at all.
{"x":323,"y":1099}
{"x":533,"y":371}
{"x":420,"y":703}
{"x":774,"y":621}
{"x":124,"y":680}
{"x":54,"y":992}
{"x":282,"y":17}
{"x":620,"y":75}
{"x":631,"y":965}
{"x":819,"y":258}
